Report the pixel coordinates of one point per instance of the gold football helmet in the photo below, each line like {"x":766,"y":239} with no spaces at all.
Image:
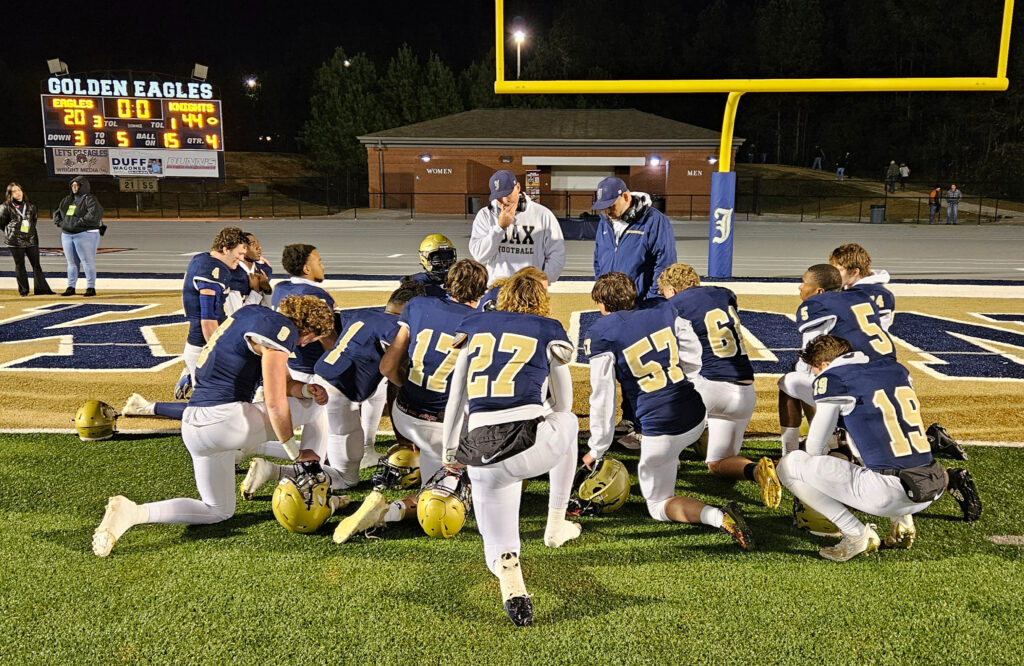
{"x":601,"y":490}
{"x":95,"y":421}
{"x":443,"y":504}
{"x":437,"y":254}
{"x":302,"y":505}
{"x":397,"y":469}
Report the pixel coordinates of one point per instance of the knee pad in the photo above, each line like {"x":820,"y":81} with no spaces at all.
{"x":785,"y":468}
{"x":657,"y":510}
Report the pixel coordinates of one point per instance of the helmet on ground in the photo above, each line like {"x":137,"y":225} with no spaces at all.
{"x":437,"y":254}
{"x":398,"y":468}
{"x":601,"y":490}
{"x":806,"y":518}
{"x":302,"y":504}
{"x":700,"y":447}
{"x":444,"y":503}
{"x":95,"y":421}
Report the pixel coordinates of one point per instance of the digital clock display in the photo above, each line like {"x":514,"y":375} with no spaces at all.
{"x":129,"y":122}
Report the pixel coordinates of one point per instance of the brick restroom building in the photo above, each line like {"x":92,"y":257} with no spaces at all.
{"x":558,"y":155}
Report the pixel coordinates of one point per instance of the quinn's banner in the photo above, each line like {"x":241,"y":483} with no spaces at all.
{"x":80,"y":161}
{"x":160,"y":163}
{"x":720,"y":228}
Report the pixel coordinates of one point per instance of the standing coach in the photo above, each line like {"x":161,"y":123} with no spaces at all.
{"x":632,"y":237}
{"x":514,"y":232}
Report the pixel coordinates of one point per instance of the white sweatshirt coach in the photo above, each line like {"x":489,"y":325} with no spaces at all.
{"x":533,"y":239}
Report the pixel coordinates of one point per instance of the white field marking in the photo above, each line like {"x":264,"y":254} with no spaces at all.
{"x":395,"y":256}
{"x":1007,"y":540}
{"x":753,"y":288}
{"x":970,"y":442}
{"x":184,"y":254}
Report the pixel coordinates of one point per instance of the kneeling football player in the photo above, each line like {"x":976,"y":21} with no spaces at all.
{"x":219,"y":422}
{"x":882,"y":417}
{"x":642,"y":349}
{"x":505,"y":359}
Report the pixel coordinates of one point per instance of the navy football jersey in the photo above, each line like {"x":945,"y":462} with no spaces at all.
{"x":646,"y":350}
{"x":432,"y":324}
{"x":508,"y":358}
{"x":489,"y":301}
{"x":435,"y":288}
{"x":227,"y":369}
{"x":240,"y":280}
{"x":353,"y":366}
{"x":204,"y":272}
{"x":305,"y":357}
{"x":883,"y":299}
{"x":716,"y":323}
{"x":851,"y":315}
{"x":880,"y":410}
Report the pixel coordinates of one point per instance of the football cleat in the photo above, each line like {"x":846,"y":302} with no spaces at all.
{"x":366,"y":517}
{"x":852,"y":546}
{"x":95,"y":421}
{"x":260,"y":471}
{"x":626,"y":435}
{"x":961,"y":487}
{"x":183,"y":389}
{"x":444,"y":503}
{"x":601,"y":490}
{"x":771,"y":489}
{"x":121,"y":514}
{"x":370,"y":458}
{"x":517,"y":602}
{"x":136,"y":405}
{"x":943,"y":444}
{"x":735,"y":526}
{"x":901,"y":533}
{"x":806,"y":518}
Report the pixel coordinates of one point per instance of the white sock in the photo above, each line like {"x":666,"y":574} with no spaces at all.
{"x":712,"y":515}
{"x":511,"y":577}
{"x":285,"y":472}
{"x":790,"y":439}
{"x":395,"y":512}
{"x":559,"y":530}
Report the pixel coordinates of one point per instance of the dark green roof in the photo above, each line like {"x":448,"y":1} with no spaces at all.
{"x":604,"y":128}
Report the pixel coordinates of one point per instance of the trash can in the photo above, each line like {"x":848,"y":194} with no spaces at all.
{"x":473,"y":203}
{"x":658,"y":203}
{"x":877,"y":213}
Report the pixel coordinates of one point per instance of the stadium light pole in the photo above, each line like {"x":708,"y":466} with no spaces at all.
{"x":519,"y":36}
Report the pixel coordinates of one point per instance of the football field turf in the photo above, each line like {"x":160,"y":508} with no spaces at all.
{"x":629,"y":590}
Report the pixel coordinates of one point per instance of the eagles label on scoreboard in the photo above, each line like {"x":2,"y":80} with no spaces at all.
{"x":141,"y":125}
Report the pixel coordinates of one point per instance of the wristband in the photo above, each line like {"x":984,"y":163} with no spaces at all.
{"x":306,"y":393}
{"x":291,"y":447}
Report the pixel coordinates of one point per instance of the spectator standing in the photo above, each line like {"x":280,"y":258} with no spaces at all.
{"x":841,"y":164}
{"x":891,"y":174}
{"x":514,"y":232}
{"x":80,"y":218}
{"x":953,"y":197}
{"x":819,"y":157}
{"x":904,"y":175}
{"x":934,"y":203}
{"x":18,"y":219}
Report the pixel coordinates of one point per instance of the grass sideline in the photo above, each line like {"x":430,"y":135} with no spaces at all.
{"x":630,"y":590}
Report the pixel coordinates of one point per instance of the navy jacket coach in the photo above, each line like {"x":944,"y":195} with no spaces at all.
{"x":645,"y":249}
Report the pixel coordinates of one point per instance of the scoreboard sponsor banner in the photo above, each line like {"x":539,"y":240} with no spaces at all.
{"x":81,"y":161}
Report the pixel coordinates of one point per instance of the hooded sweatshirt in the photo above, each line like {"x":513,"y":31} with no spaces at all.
{"x":79,"y":212}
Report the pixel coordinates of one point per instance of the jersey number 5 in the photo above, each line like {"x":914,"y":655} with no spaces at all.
{"x":651,"y":375}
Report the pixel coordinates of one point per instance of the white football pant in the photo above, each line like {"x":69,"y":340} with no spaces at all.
{"x":428,"y":436}
{"x":344,"y":441}
{"x":370,"y":412}
{"x":498,"y":488}
{"x":213,"y":436}
{"x":314,"y":433}
{"x":828,"y":485}
{"x":730,"y":407}
{"x":659,"y":465}
{"x":191,"y":357}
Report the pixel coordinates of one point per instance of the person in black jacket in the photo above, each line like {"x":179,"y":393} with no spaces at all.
{"x":18,"y":219}
{"x":80,"y":218}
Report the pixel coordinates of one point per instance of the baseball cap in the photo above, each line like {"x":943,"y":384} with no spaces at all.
{"x":502,"y":183}
{"x":608,"y":190}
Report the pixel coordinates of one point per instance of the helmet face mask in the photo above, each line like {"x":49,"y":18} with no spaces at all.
{"x":397,"y":469}
{"x":601,"y":490}
{"x":95,"y":421}
{"x":303,"y":504}
{"x":437,"y":254}
{"x":444,"y":503}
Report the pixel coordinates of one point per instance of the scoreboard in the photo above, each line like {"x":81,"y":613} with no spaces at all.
{"x":134,"y":126}
{"x":126,"y":122}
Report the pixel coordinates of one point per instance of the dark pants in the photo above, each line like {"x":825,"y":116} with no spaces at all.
{"x":40,"y":286}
